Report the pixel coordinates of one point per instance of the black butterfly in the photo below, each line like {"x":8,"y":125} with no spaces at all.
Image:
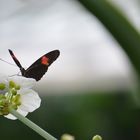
{"x":39,"y":67}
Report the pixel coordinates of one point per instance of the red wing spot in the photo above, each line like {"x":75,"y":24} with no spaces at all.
{"x":45,"y":60}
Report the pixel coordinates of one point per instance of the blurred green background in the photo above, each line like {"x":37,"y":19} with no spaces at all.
{"x":94,"y":86}
{"x":113,"y":116}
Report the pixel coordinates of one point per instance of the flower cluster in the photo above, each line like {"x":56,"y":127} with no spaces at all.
{"x":16,"y":93}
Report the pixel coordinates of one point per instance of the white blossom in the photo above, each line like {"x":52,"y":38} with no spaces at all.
{"x":29,"y":99}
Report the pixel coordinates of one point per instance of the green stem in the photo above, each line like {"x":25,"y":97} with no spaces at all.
{"x":32,"y":125}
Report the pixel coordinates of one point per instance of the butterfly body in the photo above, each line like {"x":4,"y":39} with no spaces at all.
{"x":39,"y":67}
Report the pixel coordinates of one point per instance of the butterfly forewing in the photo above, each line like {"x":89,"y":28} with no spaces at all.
{"x":15,"y":59}
{"x":40,"y":67}
{"x":51,"y":56}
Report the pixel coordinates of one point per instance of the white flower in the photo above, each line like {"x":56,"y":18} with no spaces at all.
{"x":30,"y":101}
{"x":18,"y":95}
{"x":20,"y":80}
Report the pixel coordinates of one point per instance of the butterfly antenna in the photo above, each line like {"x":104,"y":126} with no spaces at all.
{"x":7,"y":62}
{"x":18,"y":74}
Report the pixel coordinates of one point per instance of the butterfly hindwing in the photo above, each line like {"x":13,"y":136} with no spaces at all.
{"x":39,"y":67}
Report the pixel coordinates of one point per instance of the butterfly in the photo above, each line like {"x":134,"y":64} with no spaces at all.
{"x":39,"y":67}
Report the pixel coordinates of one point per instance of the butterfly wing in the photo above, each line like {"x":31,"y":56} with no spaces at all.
{"x":36,"y":72}
{"x":40,"y":67}
{"x":15,"y":59}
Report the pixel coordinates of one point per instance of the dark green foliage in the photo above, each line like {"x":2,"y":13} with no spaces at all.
{"x":113,"y":116}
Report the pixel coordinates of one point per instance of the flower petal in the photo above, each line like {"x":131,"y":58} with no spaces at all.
{"x":22,"y":81}
{"x":12,"y":117}
{"x":30,"y":100}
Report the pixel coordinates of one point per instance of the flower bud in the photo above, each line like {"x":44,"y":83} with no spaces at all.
{"x":67,"y":137}
{"x":2,"y":86}
{"x":12,"y":84}
{"x":4,"y":107}
{"x":17,"y":100}
{"x":13,"y":91}
{"x":17,"y":87}
{"x":97,"y":137}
